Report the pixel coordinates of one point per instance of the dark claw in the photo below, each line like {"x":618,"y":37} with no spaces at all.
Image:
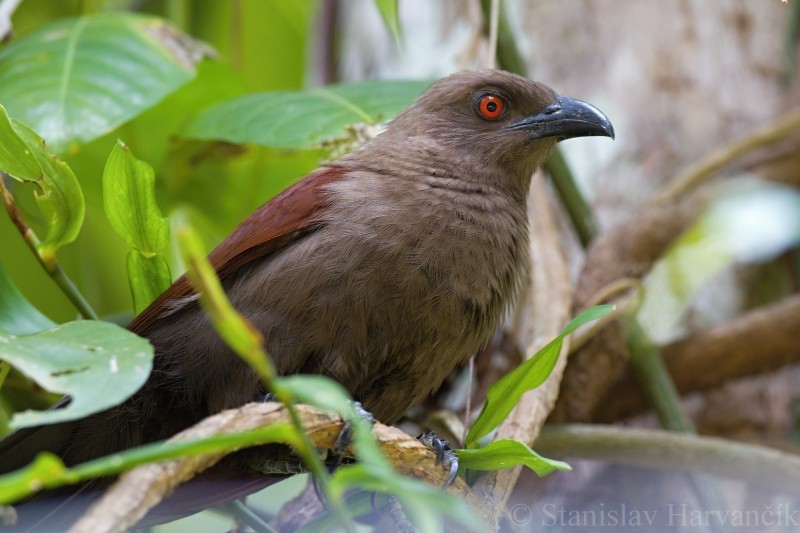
{"x":345,"y":437}
{"x":444,"y":455}
{"x":265,"y":397}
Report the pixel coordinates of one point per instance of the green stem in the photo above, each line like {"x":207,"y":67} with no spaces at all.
{"x":238,"y":510}
{"x":50,"y":264}
{"x":654,"y":448}
{"x":649,"y":366}
{"x":5,"y":368}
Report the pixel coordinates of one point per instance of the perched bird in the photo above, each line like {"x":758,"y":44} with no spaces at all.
{"x":383,"y":270}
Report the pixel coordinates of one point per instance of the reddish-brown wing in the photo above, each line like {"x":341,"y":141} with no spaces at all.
{"x":274,"y":224}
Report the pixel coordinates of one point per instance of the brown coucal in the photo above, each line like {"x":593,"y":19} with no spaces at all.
{"x":383,"y":270}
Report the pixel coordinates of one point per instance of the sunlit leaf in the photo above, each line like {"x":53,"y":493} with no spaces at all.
{"x":59,"y":195}
{"x":745,"y":222}
{"x":16,"y":158}
{"x":130,"y":202}
{"x":506,"y":454}
{"x":93,"y":73}
{"x":304,"y":119}
{"x":98,"y":364}
{"x":503,"y":395}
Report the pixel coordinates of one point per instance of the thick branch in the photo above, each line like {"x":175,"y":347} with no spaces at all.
{"x":755,"y":342}
{"x":141,"y":489}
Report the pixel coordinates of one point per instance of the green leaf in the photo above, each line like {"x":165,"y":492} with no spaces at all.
{"x":47,"y":470}
{"x":98,"y":364}
{"x":426,"y":506}
{"x":59,"y":196}
{"x":32,"y":478}
{"x":17,"y":315}
{"x":390,"y":13}
{"x":130,"y":202}
{"x":502,"y":454}
{"x":76,"y":79}
{"x":16,"y":158}
{"x":148,"y":278}
{"x":303,"y":119}
{"x":329,"y":394}
{"x":503,"y":395}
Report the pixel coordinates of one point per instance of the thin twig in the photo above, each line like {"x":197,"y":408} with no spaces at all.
{"x":706,"y":168}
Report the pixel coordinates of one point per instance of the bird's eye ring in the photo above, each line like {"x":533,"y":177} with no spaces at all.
{"x":491,"y":106}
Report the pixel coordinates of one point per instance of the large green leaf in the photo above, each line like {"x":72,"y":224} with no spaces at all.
{"x":17,"y":315}
{"x":76,"y":79}
{"x":503,"y":395}
{"x":304,"y":119}
{"x":148,"y":277}
{"x":98,"y":364}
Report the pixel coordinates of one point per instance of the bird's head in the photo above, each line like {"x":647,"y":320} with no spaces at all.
{"x":499,"y":119}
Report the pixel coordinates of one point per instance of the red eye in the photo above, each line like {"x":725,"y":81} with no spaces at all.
{"x":491,"y":106}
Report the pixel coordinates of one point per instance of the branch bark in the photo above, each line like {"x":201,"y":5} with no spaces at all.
{"x":136,"y":492}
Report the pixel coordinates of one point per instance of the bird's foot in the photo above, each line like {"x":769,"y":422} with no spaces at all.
{"x":345,"y":437}
{"x":445,"y":455}
{"x":265,"y":397}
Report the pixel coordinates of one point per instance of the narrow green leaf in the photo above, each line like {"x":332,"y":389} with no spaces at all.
{"x":427,"y":507}
{"x":130,"y":202}
{"x":47,"y":470}
{"x":390,"y":12}
{"x":304,"y":119}
{"x":237,"y":332}
{"x":502,"y":454}
{"x":17,"y":315}
{"x":148,"y":278}
{"x":326,"y":393}
{"x":503,"y":395}
{"x":16,"y":158}
{"x":98,"y":364}
{"x":59,"y":196}
{"x":17,"y":485}
{"x":93,"y":73}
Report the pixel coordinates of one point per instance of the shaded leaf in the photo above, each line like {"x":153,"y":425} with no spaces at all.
{"x":148,"y":278}
{"x":98,"y":364}
{"x":93,"y":73}
{"x":502,"y":454}
{"x":303,"y":119}
{"x":503,"y":395}
{"x":17,"y":315}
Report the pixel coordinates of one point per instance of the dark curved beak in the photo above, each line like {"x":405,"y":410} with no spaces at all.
{"x":565,"y":119}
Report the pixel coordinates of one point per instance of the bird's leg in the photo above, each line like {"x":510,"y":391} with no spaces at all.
{"x":445,"y":455}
